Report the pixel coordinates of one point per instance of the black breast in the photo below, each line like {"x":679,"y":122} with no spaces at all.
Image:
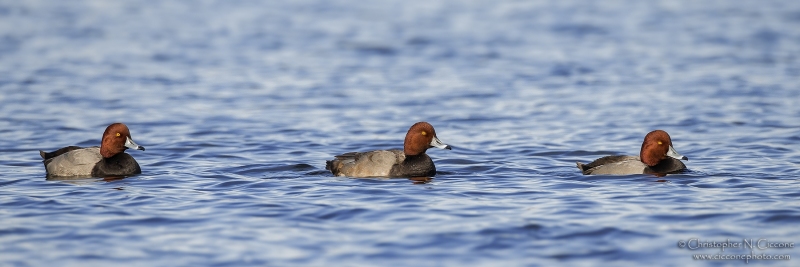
{"x":668,"y":165}
{"x":121,"y":164}
{"x":414,"y":166}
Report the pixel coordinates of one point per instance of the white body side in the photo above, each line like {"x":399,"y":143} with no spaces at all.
{"x":631,"y":165}
{"x":376,"y":163}
{"x":78,"y":162}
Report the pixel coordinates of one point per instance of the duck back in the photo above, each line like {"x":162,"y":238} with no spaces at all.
{"x":614,"y":165}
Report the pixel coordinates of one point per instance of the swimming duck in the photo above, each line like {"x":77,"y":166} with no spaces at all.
{"x":657,"y":156}
{"x":109,"y":159}
{"x":409,"y":162}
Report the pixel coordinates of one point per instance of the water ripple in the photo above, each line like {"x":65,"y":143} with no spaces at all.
{"x":241,"y":103}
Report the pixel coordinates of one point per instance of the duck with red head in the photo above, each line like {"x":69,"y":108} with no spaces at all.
{"x":657,"y":156}
{"x":109,"y":159}
{"x":409,"y":162}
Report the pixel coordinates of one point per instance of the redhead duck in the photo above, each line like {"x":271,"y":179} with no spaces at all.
{"x":409,"y":162}
{"x":656,"y":157}
{"x":109,"y":159}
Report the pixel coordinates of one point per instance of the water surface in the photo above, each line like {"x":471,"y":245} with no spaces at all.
{"x":240,"y":103}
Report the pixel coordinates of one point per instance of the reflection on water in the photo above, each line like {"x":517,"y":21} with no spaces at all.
{"x":82,"y":180}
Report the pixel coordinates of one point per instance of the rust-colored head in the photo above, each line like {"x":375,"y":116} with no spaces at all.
{"x":657,"y":146}
{"x":420,"y":137}
{"x":116,"y":139}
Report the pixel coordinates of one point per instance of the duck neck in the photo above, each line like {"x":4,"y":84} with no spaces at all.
{"x":415,"y":157}
{"x":115,"y":158}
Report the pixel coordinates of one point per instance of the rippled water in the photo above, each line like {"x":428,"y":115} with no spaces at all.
{"x":239,"y":104}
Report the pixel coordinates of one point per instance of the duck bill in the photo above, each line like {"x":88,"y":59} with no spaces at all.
{"x":674,"y":154}
{"x":438,"y":143}
{"x":132,"y":145}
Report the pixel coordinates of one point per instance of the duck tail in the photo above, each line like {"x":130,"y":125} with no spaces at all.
{"x":580,"y":166}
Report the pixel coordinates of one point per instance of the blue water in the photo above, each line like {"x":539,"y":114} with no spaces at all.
{"x":239,"y":104}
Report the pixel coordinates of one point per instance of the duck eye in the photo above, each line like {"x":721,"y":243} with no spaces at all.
{"x":424,"y":133}
{"x":118,"y":136}
{"x":659,"y":142}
